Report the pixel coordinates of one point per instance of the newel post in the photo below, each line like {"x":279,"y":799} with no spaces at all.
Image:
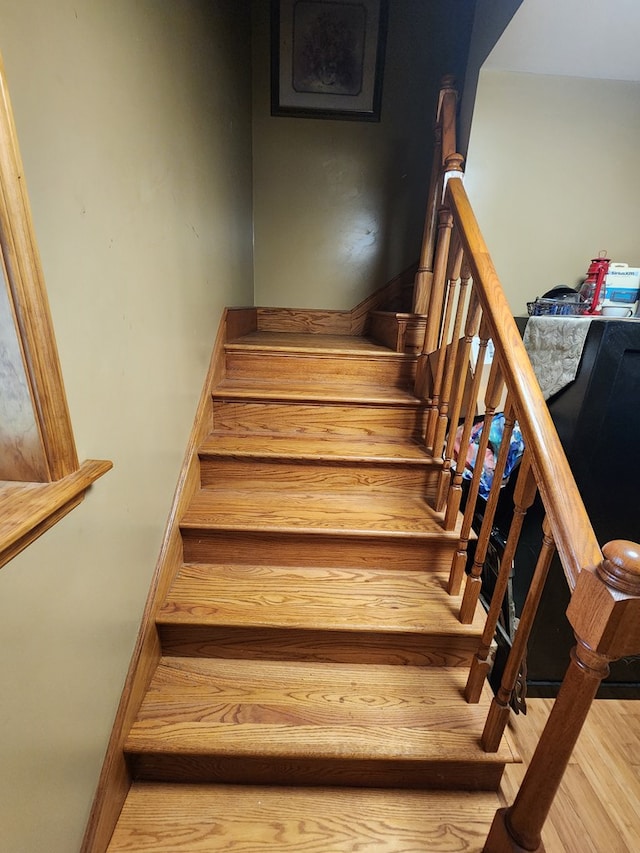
{"x":605,"y":614}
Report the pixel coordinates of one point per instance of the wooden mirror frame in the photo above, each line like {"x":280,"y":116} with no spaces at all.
{"x":40,"y":477}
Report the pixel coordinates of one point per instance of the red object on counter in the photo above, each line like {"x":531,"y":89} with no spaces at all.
{"x":593,"y":288}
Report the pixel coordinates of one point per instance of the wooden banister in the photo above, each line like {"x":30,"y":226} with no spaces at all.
{"x":605,"y":614}
{"x":570,"y":526}
{"x":605,"y":604}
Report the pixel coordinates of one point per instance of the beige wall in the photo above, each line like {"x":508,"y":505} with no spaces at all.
{"x":134,"y":125}
{"x":339,"y":205}
{"x":490,"y":19}
{"x":554,"y":177}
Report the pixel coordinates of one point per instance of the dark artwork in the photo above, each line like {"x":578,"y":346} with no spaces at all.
{"x":328,"y":47}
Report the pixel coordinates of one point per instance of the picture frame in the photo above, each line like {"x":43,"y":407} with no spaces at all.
{"x":327,"y":58}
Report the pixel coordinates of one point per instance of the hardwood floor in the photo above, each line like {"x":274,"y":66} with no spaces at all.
{"x":597,"y":809}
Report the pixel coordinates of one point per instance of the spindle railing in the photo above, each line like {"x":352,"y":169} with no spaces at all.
{"x":467,"y":312}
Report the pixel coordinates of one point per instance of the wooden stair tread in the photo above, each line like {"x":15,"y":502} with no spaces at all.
{"x":308,"y":640}
{"x":316,"y":448}
{"x":169,"y":818}
{"x":302,"y":711}
{"x":317,"y":392}
{"x":363,"y":513}
{"x":316,"y":343}
{"x":349,"y":599}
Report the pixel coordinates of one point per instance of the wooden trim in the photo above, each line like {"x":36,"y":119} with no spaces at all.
{"x":572,"y":531}
{"x":240,"y":321}
{"x":310,"y":320}
{"x":30,"y":303}
{"x":115,"y":780}
{"x":30,"y":508}
{"x":328,"y":322}
{"x":381,"y":299}
{"x":27,"y":510}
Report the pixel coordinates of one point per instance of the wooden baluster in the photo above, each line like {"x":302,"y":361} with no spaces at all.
{"x":454,"y":495}
{"x":524,"y":494}
{"x":491,"y":401}
{"x":498,"y":715}
{"x":604,"y":612}
{"x":451,"y":362}
{"x":474,"y":579}
{"x":423,"y":386}
{"x":424,"y":275}
{"x":434,"y":318}
{"x":458,"y":379}
{"x":445,"y":226}
{"x":445,"y":343}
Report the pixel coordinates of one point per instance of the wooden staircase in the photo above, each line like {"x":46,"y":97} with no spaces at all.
{"x":309,"y":689}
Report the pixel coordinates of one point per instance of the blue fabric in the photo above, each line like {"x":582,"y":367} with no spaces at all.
{"x":516,"y":449}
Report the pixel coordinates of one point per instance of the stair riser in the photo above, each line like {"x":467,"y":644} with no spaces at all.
{"x":288,"y":549}
{"x":256,"y":770}
{"x":397,"y":372}
{"x":246,"y":472}
{"x":317,"y":419}
{"x":319,"y":646}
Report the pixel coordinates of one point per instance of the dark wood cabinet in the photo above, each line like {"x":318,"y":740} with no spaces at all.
{"x":598,"y":419}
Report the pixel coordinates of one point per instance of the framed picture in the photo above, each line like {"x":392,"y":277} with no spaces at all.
{"x":327,"y":58}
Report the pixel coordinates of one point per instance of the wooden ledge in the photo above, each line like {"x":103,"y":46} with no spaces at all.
{"x":27,"y":510}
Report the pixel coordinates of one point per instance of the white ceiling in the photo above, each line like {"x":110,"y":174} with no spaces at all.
{"x":576,"y":38}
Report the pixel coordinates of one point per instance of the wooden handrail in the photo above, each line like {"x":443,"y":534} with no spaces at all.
{"x":570,"y":526}
{"x":605,"y":605}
